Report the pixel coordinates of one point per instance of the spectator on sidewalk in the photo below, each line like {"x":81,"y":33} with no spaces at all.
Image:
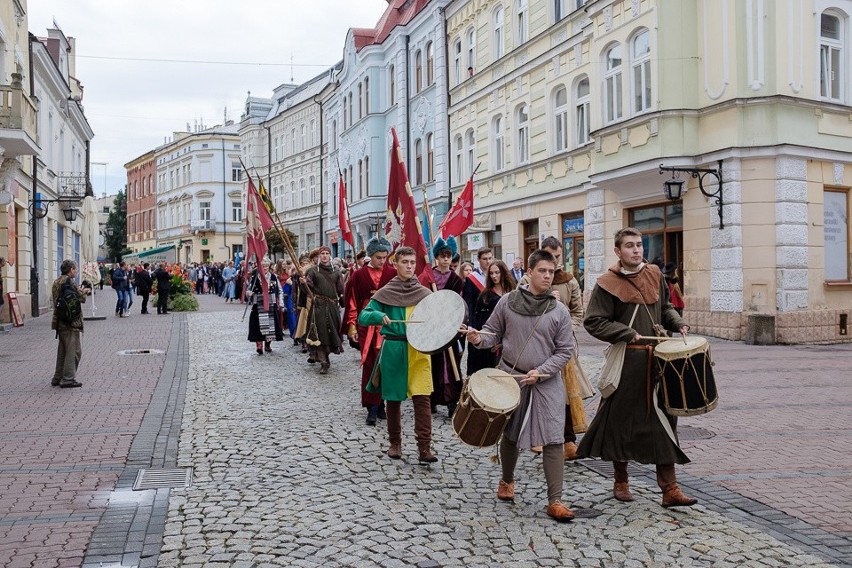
{"x":121,"y":284}
{"x":69,"y":350}
{"x":164,"y":284}
{"x":144,"y":284}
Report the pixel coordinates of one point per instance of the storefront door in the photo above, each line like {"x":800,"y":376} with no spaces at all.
{"x":573,"y":245}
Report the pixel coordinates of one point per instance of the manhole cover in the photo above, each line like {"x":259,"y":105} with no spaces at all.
{"x":141,"y":352}
{"x":587,"y":513}
{"x":693,"y":433}
{"x":158,"y":478}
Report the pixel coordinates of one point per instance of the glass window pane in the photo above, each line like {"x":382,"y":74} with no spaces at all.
{"x":835,"y":73}
{"x":583,"y":88}
{"x":654,"y":246}
{"x":836,"y":233}
{"x":648,"y":219}
{"x":674,"y":215}
{"x":613,"y":57}
{"x":641,"y":45}
{"x":561,"y":97}
{"x":830,"y":26}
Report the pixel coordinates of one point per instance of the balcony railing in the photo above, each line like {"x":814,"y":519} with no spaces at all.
{"x":203,"y":224}
{"x":17,"y":110}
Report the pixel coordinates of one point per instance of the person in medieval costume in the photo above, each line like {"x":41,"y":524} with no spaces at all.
{"x":360,"y":288}
{"x":264,"y":324}
{"x":304,"y":301}
{"x":401,"y":371}
{"x":446,"y":381}
{"x":326,"y":284}
{"x":631,"y":300}
{"x":475,"y":282}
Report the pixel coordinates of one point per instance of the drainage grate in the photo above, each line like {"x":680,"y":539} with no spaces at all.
{"x":693,"y":433}
{"x":587,"y":513}
{"x":141,"y":352}
{"x":605,"y":469}
{"x":158,"y":478}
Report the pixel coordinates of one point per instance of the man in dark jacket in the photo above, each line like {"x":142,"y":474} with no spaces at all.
{"x":163,"y":278}
{"x":144,"y":283}
{"x":121,"y":284}
{"x":70,"y":349}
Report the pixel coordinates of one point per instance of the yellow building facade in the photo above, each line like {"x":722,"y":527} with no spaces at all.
{"x":571,"y":108}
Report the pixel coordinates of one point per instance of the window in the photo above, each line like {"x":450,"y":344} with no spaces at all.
{"x":499,"y":148}
{"x":392,"y":85}
{"x":345,"y":116}
{"x":360,"y":179}
{"x":360,"y":101}
{"x":458,"y":158}
{"x":60,"y":247}
{"x":521,"y":31}
{"x":293,"y":141}
{"x":836,"y":232}
{"x":303,"y":192}
{"x":418,"y":71}
{"x":662,"y":231}
{"x":830,"y":57}
{"x":275,"y":145}
{"x":523,"y":142}
{"x":366,"y":96}
{"x":418,"y":161}
{"x":470,"y":141}
{"x":312,"y":132}
{"x":312,"y":188}
{"x":430,"y":157}
{"x":351,"y":115}
{"x":581,"y":110}
{"x":471,"y":50}
{"x":302,"y":137}
{"x":641,"y":70}
{"x":430,"y":63}
{"x":367,"y":176}
{"x":560,"y":117}
{"x":457,"y":55}
{"x":333,"y":135}
{"x":293,"y":195}
{"x":499,"y":43}
{"x":204,"y":210}
{"x":189,"y":173}
{"x":349,"y":193}
{"x":612,"y":83}
{"x":236,"y":171}
{"x":237,"y":211}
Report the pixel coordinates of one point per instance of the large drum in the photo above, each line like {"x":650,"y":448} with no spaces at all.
{"x":687,"y":376}
{"x":439,"y":317}
{"x":487,"y":402}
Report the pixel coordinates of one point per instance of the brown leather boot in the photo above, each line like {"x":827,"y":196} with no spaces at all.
{"x":423,"y":428}
{"x":394,"y":413}
{"x":570,"y":451}
{"x":672,"y":495}
{"x":506,"y":491}
{"x":621,"y":488}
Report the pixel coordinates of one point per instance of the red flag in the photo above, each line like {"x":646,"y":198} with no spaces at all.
{"x":256,"y":237}
{"x":460,"y":217}
{"x":343,"y":214}
{"x":402,"y":224}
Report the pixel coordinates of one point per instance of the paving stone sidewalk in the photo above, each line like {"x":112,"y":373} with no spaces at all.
{"x":287,"y":474}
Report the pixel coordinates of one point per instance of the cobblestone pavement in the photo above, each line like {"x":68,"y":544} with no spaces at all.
{"x":287,"y":474}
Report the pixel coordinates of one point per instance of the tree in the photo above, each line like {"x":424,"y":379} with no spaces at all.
{"x":276,"y":245}
{"x":116,"y":243}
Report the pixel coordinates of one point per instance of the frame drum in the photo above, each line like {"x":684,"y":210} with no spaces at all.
{"x":487,"y":402}
{"x":442,"y":314}
{"x":686,"y":370}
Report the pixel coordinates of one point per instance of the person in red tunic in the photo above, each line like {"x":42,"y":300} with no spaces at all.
{"x":360,"y":288}
{"x":446,"y":382}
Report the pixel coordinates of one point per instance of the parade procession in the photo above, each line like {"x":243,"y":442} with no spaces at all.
{"x":427,"y":283}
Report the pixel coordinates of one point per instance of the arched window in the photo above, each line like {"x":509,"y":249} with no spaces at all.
{"x":522,"y":118}
{"x":430,"y":63}
{"x":334,"y":135}
{"x":275,"y":145}
{"x":345,"y":115}
{"x":499,"y":41}
{"x":418,"y":71}
{"x":366,"y":96}
{"x":831,"y":68}
{"x":612,"y":83}
{"x":560,"y":118}
{"x":313,"y":189}
{"x":640,"y":70}
{"x":457,"y":62}
{"x":293,"y":140}
{"x":351,"y":115}
{"x":391,"y":85}
{"x":349,"y":190}
{"x":418,"y":161}
{"x":313,"y":133}
{"x":470,"y":143}
{"x":366,"y":176}
{"x":459,"y":154}
{"x":303,"y":192}
{"x":581,"y":110}
{"x":521,"y":21}
{"x":360,"y":101}
{"x":471,"y":50}
{"x":430,"y":157}
{"x":360,"y":179}
{"x":293,"y":195}
{"x":499,"y":145}
{"x":303,"y":137}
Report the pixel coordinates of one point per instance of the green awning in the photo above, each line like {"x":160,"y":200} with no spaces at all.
{"x":159,"y":254}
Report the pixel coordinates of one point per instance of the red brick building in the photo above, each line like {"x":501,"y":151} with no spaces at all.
{"x":142,"y":203}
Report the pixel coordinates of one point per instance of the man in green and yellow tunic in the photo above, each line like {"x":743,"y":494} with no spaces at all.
{"x":401,"y":371}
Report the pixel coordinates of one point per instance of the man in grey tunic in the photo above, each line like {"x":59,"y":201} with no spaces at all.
{"x":535,"y":332}
{"x":631,"y":423}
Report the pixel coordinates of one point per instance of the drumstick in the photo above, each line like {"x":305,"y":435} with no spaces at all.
{"x":406,"y":321}
{"x":516,"y":376}
{"x":655,"y":338}
{"x":479,"y":332}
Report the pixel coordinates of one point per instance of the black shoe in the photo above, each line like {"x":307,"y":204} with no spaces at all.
{"x":260,"y":351}
{"x":54,"y":382}
{"x":451,"y":409}
{"x":70,"y":384}
{"x":324,"y":368}
{"x":372,"y":416}
{"x":381,"y":414}
{"x":267,"y":347}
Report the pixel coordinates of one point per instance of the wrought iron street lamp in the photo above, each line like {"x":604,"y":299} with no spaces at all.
{"x":674,"y":187}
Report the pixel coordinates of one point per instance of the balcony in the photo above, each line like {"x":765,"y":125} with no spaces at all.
{"x":203,"y":225}
{"x":17,"y":120}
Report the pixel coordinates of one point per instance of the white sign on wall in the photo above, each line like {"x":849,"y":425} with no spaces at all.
{"x":836,"y":231}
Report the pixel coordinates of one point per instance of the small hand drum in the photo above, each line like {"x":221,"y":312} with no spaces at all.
{"x":441,"y":314}
{"x":689,"y":387}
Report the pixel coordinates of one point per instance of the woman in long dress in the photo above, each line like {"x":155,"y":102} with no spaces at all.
{"x":264,"y":324}
{"x":499,"y":282}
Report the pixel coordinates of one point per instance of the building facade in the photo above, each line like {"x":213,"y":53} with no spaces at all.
{"x":392,"y":76}
{"x":572,"y":108}
{"x":142,"y":202}
{"x":199,"y":194}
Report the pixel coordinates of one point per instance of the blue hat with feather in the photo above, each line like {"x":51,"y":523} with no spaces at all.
{"x":442,"y":245}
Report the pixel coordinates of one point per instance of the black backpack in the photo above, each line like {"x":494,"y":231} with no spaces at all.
{"x":68,"y":307}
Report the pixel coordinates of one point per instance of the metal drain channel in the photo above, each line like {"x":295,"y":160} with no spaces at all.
{"x":160,"y":478}
{"x":141,"y":352}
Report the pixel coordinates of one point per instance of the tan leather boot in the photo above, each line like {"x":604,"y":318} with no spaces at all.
{"x":672,"y":495}
{"x":621,"y":488}
{"x":423,"y":428}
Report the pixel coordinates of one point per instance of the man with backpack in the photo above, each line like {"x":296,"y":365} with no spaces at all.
{"x":68,"y":323}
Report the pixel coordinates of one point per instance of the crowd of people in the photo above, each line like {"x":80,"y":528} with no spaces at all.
{"x":519,"y":320}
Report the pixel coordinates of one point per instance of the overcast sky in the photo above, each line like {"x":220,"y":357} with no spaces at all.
{"x":132,"y":105}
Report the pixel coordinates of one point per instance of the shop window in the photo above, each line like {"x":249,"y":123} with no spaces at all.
{"x":836,"y":234}
{"x":574,"y":246}
{"x":662,"y":232}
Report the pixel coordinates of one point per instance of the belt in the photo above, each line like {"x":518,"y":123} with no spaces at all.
{"x":326,"y":298}
{"x":649,"y":350}
{"x":395,"y":337}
